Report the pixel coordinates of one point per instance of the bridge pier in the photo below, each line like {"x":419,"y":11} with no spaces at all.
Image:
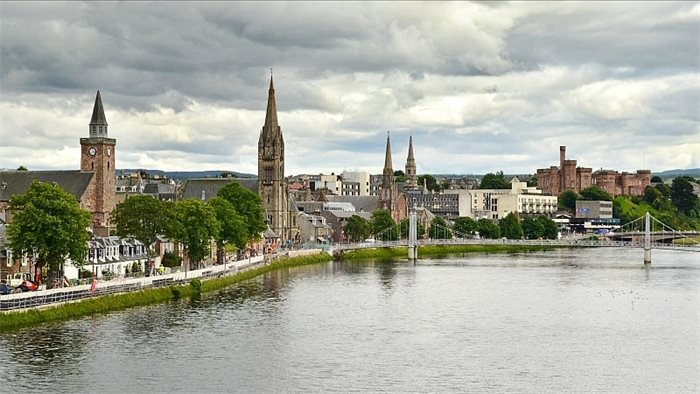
{"x":412,"y":235}
{"x":647,"y":238}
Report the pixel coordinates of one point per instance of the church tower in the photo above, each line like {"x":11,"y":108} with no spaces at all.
{"x":97,"y":155}
{"x":387,"y":194}
{"x":271,"y":185}
{"x":411,"y":182}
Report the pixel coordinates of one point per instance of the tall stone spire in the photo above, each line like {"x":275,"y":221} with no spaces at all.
{"x":411,"y":179}
{"x":98,"y":122}
{"x":387,"y":193}
{"x":388,"y":173}
{"x":271,"y":114}
{"x":272,"y":187}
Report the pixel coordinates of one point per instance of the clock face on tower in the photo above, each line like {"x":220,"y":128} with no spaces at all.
{"x":92,"y":151}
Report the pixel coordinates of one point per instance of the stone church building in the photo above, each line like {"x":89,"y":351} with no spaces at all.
{"x":94,"y":185}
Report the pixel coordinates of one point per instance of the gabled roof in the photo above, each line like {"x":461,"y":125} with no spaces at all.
{"x":211,"y":186}
{"x":17,"y":182}
{"x":361,"y":203}
{"x":159,"y":188}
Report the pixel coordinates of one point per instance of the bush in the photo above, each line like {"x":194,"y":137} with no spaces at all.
{"x":196,"y":285}
{"x":171,"y":260}
{"x":175,"y":291}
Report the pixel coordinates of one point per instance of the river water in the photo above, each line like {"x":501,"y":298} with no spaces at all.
{"x":564,"y":320}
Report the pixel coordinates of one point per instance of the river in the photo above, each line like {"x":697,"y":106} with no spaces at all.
{"x":563,"y":320}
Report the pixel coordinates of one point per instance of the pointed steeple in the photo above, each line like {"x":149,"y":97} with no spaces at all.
{"x":411,"y":182}
{"x":387,"y":157}
{"x":98,"y":122}
{"x":271,"y":114}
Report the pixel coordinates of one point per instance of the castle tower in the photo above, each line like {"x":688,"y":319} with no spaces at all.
{"x":387,"y":194}
{"x":411,"y":182}
{"x":271,"y":185}
{"x":97,"y":154}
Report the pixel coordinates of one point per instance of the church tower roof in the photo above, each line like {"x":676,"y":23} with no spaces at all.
{"x":98,"y":112}
{"x":271,"y":114}
{"x":410,"y":158}
{"x":387,"y":157}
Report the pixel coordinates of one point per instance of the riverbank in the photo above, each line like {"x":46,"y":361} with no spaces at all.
{"x":441,"y":250}
{"x":115,"y":302}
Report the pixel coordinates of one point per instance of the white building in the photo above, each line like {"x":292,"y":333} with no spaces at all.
{"x":362,"y":178}
{"x":498,"y":203}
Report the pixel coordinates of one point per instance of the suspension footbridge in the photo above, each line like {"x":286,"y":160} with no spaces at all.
{"x":645,"y":232}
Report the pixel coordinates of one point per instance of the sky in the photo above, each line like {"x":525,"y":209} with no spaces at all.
{"x":481,"y":87}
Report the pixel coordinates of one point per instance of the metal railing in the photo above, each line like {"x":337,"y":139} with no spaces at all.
{"x":35,"y":299}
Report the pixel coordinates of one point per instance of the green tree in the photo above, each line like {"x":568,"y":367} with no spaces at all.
{"x":465,"y":225}
{"x":494,"y":181}
{"x":488,"y":229}
{"x":656,"y":179}
{"x":532,"y":228}
{"x":651,"y":194}
{"x":21,"y":168}
{"x":420,"y":229}
{"x":357,"y":228}
{"x":381,"y":223}
{"x":683,"y":197}
{"x":141,"y":217}
{"x":664,"y":189}
{"x":247,"y":204}
{"x":532,"y":181}
{"x":48,"y":224}
{"x":510,"y":227}
{"x":438,"y":229}
{"x":430,"y":182}
{"x":196,"y":227}
{"x":594,"y":193}
{"x":399,"y":176}
{"x":233,"y":228}
{"x":567,"y":200}
{"x":551,"y":230}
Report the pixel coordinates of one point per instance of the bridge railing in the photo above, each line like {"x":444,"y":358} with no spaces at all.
{"x":536,"y":242}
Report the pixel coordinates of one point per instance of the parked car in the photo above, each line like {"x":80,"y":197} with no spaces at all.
{"x":26,"y":285}
{"x":5,"y":288}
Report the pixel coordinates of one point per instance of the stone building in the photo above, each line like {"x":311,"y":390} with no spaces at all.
{"x":272,"y":186}
{"x":94,"y":185}
{"x":567,"y":176}
{"x":389,"y":197}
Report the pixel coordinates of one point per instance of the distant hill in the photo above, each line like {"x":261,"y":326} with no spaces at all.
{"x":694,"y":172}
{"x":181,"y":175}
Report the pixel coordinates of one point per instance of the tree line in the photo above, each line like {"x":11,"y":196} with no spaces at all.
{"x":384,"y":228}
{"x":49,"y":225}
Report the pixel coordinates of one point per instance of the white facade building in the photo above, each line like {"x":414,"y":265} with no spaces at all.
{"x":498,"y":203}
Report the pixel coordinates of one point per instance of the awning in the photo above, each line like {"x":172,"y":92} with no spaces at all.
{"x":321,"y":239}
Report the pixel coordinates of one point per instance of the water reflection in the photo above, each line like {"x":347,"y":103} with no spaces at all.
{"x":33,"y":352}
{"x":596,"y":320}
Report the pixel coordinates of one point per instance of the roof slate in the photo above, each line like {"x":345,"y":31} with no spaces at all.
{"x":17,"y":182}
{"x":211,"y":186}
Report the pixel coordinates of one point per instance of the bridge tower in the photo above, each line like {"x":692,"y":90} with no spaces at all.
{"x":412,"y":235}
{"x":647,"y":238}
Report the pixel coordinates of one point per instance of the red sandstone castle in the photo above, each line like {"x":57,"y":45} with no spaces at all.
{"x":556,"y":180}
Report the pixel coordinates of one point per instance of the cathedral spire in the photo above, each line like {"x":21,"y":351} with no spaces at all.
{"x":387,"y":157}
{"x":98,"y":122}
{"x":411,"y":182}
{"x":271,"y":114}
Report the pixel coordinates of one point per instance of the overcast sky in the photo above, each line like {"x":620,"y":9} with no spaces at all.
{"x":481,"y":86}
